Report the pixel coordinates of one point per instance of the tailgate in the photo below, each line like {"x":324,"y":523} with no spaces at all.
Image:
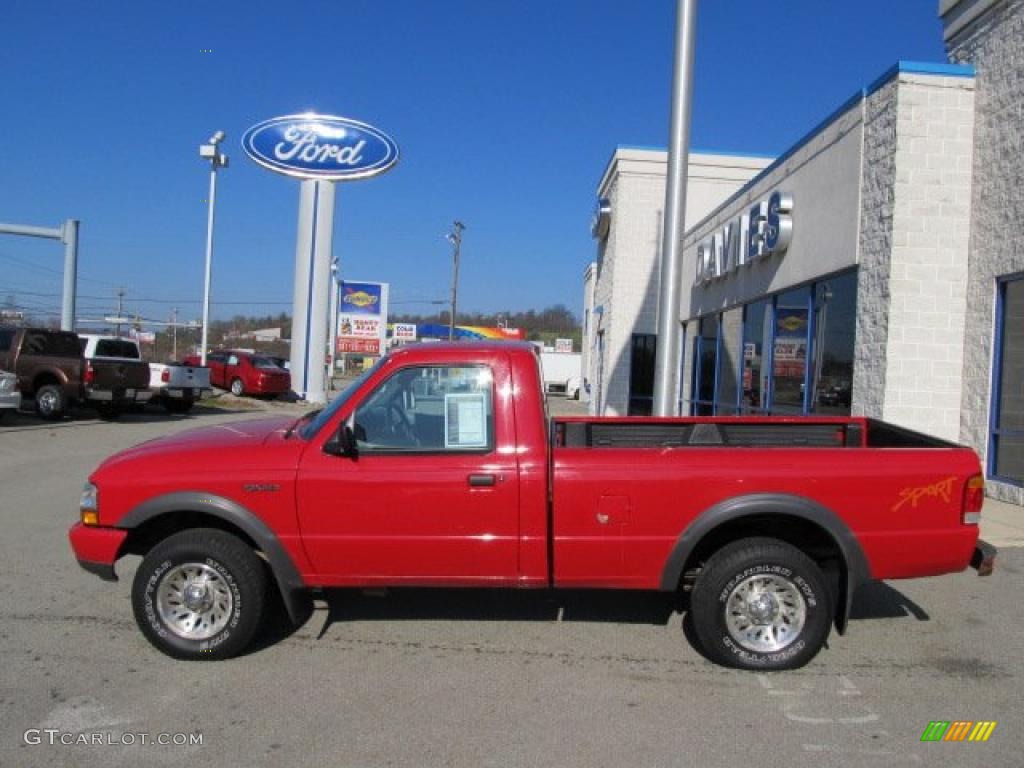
{"x":187,"y":376}
{"x":119,"y":374}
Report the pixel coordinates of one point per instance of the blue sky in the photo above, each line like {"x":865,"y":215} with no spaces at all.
{"x":505,"y":112}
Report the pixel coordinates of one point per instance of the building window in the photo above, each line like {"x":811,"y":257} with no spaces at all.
{"x":787,"y":354}
{"x":1006,"y":454}
{"x":705,"y":364}
{"x":789,"y":351}
{"x":757,"y":344}
{"x":641,"y":374}
{"x":835,"y":319}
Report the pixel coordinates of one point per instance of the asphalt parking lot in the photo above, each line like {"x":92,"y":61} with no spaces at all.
{"x":473,"y":678}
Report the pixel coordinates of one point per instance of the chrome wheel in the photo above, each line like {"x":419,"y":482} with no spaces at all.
{"x":237,"y":388}
{"x":765,"y":614}
{"x":194,"y":601}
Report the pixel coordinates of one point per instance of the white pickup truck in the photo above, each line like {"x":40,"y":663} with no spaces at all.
{"x":177,"y":386}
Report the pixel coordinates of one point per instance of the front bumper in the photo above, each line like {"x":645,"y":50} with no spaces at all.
{"x":10,"y":400}
{"x":96,"y":548}
{"x":984,"y":558}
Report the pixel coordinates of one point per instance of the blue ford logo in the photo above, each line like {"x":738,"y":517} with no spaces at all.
{"x":323,"y":147}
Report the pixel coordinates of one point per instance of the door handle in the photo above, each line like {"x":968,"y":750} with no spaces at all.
{"x":481,"y":481}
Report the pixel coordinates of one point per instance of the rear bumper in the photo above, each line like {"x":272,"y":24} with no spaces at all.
{"x":118,"y":396}
{"x":984,"y":558}
{"x":184,"y":393}
{"x":97,"y":548}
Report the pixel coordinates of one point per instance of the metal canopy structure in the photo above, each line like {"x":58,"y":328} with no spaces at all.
{"x":67,"y":234}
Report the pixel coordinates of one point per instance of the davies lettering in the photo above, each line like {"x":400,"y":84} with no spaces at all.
{"x":765,"y":230}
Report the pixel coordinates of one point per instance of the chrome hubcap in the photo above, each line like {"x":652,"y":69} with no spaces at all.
{"x":765,"y":613}
{"x":194,"y":601}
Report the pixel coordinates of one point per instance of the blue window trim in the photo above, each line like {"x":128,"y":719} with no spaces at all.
{"x":994,"y":430}
{"x":682,"y":370}
{"x":718,"y":356}
{"x":812,"y":323}
{"x":698,"y":355}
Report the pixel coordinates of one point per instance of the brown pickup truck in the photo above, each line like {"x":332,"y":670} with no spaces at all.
{"x":116,"y":377}
{"x":48,"y":364}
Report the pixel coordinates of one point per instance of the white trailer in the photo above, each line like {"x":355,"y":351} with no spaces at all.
{"x":563,"y":373}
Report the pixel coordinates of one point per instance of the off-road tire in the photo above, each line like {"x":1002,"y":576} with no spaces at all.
{"x":236,"y":572}
{"x":722,"y":609}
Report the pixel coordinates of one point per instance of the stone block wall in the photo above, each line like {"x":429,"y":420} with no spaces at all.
{"x":992,"y":42}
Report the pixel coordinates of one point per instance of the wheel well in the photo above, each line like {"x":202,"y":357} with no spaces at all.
{"x":42,"y":380}
{"x":143,"y":538}
{"x":811,"y":539}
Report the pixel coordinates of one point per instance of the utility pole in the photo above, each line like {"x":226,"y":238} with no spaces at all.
{"x":174,"y":334}
{"x":120,"y":309}
{"x":455,"y":238}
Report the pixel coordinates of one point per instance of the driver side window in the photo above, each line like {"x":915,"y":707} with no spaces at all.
{"x":429,"y":409}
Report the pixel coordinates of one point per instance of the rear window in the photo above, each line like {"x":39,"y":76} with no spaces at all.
{"x":265,"y":362}
{"x":116,"y":348}
{"x":51,"y":344}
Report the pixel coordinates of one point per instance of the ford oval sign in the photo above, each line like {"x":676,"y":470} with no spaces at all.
{"x":322,"y":147}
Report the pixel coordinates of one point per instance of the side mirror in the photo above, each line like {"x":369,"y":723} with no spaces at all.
{"x":343,"y":443}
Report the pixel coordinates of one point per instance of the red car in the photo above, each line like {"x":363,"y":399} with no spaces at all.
{"x":440,"y":467}
{"x":245,"y":373}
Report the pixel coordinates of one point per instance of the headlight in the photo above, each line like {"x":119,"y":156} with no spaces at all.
{"x":89,"y":507}
{"x":7,"y":384}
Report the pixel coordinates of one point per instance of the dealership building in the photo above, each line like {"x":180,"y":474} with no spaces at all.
{"x":875,"y":268}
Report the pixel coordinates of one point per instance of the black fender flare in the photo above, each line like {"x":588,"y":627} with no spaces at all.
{"x":294,"y":593}
{"x":761,"y":504}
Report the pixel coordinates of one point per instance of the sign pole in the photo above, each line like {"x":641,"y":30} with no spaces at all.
{"x":313,"y":248}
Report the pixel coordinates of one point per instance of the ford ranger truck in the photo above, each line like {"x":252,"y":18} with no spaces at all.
{"x":439,"y":467}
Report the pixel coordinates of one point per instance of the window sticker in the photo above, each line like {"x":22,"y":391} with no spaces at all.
{"x":465,"y":425}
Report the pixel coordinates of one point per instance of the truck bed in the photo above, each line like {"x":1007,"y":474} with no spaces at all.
{"x":628,"y":487}
{"x":826,"y":432}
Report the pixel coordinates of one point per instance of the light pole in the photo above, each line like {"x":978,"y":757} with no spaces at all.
{"x":455,"y":238}
{"x":332,"y":321}
{"x":217,"y":160}
{"x":666,"y":360}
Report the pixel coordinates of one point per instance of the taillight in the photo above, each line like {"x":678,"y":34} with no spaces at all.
{"x":165,"y":376}
{"x":974,"y":498}
{"x":90,"y":373}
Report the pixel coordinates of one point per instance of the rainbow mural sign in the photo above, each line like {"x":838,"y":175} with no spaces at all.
{"x":470,"y":332}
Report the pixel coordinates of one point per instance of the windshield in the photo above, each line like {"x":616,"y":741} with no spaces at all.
{"x":310,"y":429}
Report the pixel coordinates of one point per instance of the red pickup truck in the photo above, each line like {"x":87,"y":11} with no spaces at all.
{"x":440,"y":467}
